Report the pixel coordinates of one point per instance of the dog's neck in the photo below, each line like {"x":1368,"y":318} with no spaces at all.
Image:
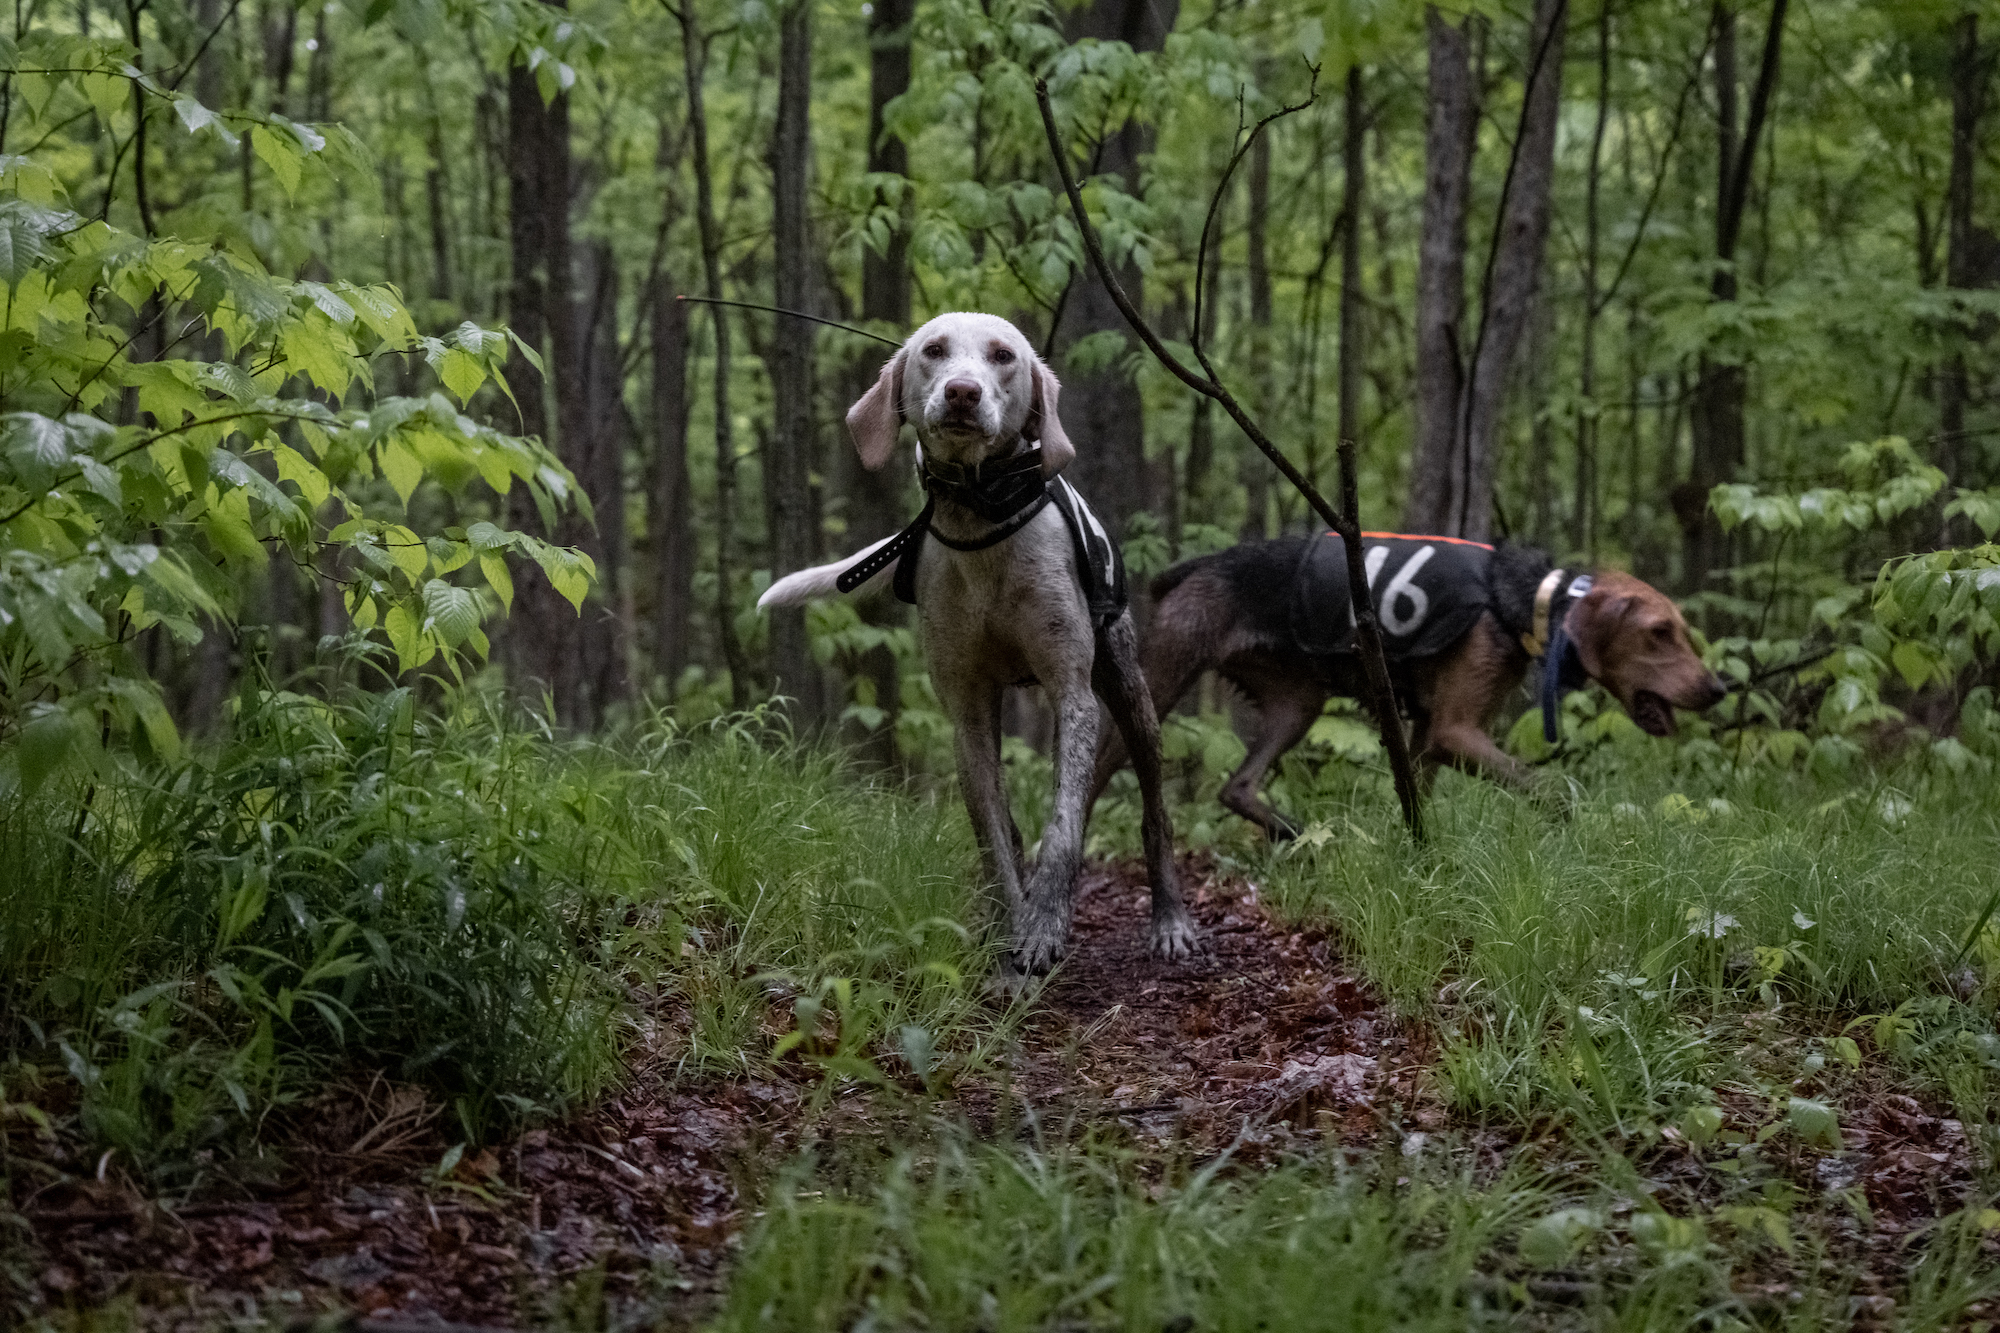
{"x":973,"y":497}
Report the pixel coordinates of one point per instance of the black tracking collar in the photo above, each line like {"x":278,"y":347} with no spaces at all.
{"x":1006,"y":492}
{"x":995,"y":488}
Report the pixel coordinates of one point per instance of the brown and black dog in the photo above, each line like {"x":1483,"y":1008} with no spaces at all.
{"x":1237,"y":612}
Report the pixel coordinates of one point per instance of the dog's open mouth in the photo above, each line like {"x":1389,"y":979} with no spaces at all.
{"x":1654,"y":714}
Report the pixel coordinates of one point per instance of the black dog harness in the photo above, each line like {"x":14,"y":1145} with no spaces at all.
{"x":1428,"y":592}
{"x":1008,"y":493}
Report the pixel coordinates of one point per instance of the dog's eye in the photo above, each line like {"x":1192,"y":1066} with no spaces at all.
{"x":934,"y":349}
{"x":1663,"y":633}
{"x":1001,"y":356}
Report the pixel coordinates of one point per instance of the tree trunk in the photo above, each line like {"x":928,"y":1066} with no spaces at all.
{"x":576,"y":663}
{"x":436,"y":189}
{"x":1353,"y":194}
{"x":670,"y":522}
{"x":694,"y":56}
{"x":1968,"y":88}
{"x":1586,"y":506}
{"x":1103,"y":405}
{"x":1514,"y":273}
{"x":876,"y":501}
{"x":1451,"y":129}
{"x":208,"y":68}
{"x":789,"y":462}
{"x":598,"y":459}
{"x":1717,"y":415}
{"x":1541,"y":435}
{"x":1461,"y":393}
{"x":1252,"y":468}
{"x":1197,"y":482}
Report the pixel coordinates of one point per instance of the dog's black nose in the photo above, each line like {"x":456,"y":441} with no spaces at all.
{"x":1716,"y":691}
{"x":961,"y":393}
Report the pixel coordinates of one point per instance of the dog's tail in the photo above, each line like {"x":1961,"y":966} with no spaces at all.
{"x":804,"y":586}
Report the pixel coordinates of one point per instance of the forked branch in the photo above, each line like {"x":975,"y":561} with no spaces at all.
{"x":1368,"y":636}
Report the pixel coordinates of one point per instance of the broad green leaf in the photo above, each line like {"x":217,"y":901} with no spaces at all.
{"x":461,"y":373}
{"x":21,"y":246}
{"x":280,"y":152}
{"x":295,"y":468}
{"x":401,"y":467}
{"x":405,"y":636}
{"x":1814,"y":1122}
{"x":1912,"y":662}
{"x":407,"y":550}
{"x":451,"y":613}
{"x":494,"y":566}
{"x":48,"y":742}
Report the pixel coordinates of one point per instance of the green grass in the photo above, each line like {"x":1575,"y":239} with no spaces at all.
{"x":1090,"y":1236}
{"x":1600,"y":965}
{"x":987,"y":1237}
{"x":1734,"y":958}
{"x":456,"y":897}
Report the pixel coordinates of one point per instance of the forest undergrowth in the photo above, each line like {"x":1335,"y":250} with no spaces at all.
{"x":1699,"y":1045}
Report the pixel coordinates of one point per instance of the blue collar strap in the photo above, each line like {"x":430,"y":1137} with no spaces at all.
{"x":1562,"y":664}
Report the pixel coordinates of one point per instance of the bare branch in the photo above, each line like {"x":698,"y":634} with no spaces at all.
{"x":1368,"y":638}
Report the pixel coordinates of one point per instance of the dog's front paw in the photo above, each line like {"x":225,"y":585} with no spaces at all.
{"x":1175,"y":938}
{"x":1039,"y":949}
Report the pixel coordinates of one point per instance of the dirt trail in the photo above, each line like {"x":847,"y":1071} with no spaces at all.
{"x":1266,"y":1030}
{"x":1266,"y":1042}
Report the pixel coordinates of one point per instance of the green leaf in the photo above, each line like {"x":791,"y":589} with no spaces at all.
{"x":294,"y":467}
{"x":461,"y":373}
{"x":1814,"y":1122}
{"x":494,"y":566}
{"x":21,"y":247}
{"x":1554,"y":1240}
{"x":197,"y":118}
{"x":451,"y":613}
{"x":47,"y":743}
{"x":279,"y":152}
{"x":408,"y":550}
{"x":401,"y":467}
{"x":405,"y":636}
{"x":569,"y":573}
{"x":329,"y":302}
{"x":1913,"y":662}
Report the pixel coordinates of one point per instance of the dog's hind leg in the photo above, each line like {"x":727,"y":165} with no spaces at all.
{"x":1174,"y":661}
{"x":1286,"y":710}
{"x":974,"y":707}
{"x":1116,"y":676}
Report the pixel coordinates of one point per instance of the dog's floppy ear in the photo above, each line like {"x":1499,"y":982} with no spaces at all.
{"x":1044,"y":425}
{"x":877,"y":415}
{"x":1592,"y":624}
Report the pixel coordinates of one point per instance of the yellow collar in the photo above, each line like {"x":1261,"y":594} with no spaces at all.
{"x":1537,"y":641}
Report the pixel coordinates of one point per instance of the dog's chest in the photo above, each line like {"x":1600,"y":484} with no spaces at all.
{"x":1009,"y":612}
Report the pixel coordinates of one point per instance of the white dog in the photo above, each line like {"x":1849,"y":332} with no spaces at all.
{"x":1016,"y":585}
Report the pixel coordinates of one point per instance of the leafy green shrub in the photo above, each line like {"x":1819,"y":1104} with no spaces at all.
{"x":137,"y":484}
{"x":456,"y":897}
{"x":354,"y":881}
